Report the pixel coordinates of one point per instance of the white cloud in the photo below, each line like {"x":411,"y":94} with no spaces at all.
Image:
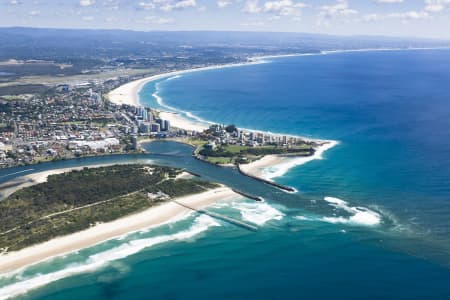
{"x":34,"y":13}
{"x":409,"y":15}
{"x":283,"y":7}
{"x":13,"y":2}
{"x":431,"y":7}
{"x":370,"y":17}
{"x":403,"y":16}
{"x":275,"y":7}
{"x":388,"y":1}
{"x":435,"y":6}
{"x":252,"y":7}
{"x":163,"y":21}
{"x":169,"y":6}
{"x":340,"y":9}
{"x":88,"y":18}
{"x":223,"y":3}
{"x":253,"y":24}
{"x":146,"y":5}
{"x":157,"y":20}
{"x":186,"y":3}
{"x":86,"y":2}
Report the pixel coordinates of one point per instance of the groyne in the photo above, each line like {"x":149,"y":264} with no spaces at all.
{"x":269,"y":182}
{"x":220,"y":217}
{"x":247,"y":195}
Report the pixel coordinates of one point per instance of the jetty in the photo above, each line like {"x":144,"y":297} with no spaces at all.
{"x":250,"y":196}
{"x":218,"y":216}
{"x":269,"y":182}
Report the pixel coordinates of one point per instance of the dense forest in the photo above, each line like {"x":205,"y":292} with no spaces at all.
{"x":76,"y":200}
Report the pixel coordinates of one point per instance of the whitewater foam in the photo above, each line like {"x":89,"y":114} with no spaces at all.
{"x":257,"y":213}
{"x":99,"y":260}
{"x":186,"y":114}
{"x":302,"y":218}
{"x":174,"y":77}
{"x":358,"y":215}
{"x":282,"y":168}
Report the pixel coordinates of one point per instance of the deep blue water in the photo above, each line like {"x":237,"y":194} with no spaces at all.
{"x":390,"y":111}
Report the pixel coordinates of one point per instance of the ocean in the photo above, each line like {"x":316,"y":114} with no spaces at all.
{"x":370,"y":219}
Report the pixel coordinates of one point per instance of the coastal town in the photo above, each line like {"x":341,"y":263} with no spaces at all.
{"x":70,"y":121}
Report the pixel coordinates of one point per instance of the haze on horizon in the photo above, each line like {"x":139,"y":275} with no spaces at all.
{"x":409,"y":18}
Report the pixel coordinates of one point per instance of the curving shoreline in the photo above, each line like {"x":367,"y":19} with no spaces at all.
{"x":260,"y":169}
{"x":129,"y":92}
{"x":152,"y":217}
{"x":272,"y":166}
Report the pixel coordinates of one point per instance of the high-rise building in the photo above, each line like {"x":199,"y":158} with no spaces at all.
{"x":145,"y":127}
{"x":134,"y":142}
{"x":166,"y":125}
{"x":156,"y":127}
{"x":144,"y":114}
{"x":149,"y":117}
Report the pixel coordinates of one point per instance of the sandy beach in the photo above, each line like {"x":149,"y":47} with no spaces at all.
{"x":268,"y":167}
{"x":178,"y":121}
{"x":129,"y":93}
{"x":151,"y":217}
{"x":258,"y":167}
{"x":272,"y":166}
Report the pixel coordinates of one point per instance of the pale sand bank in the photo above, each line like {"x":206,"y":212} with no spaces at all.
{"x":258,"y":167}
{"x":272,"y":166}
{"x":178,"y":121}
{"x":151,"y":217}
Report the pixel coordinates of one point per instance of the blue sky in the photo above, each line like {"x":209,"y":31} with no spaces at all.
{"x":412,"y":18}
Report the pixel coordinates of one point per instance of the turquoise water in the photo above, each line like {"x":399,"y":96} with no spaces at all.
{"x":390,"y":111}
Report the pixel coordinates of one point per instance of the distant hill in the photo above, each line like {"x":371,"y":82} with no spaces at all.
{"x":63,"y":44}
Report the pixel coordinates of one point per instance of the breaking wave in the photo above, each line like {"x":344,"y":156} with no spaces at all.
{"x":99,"y":260}
{"x":282,"y":168}
{"x":186,"y":114}
{"x":257,"y":213}
{"x":358,"y":215}
{"x":174,"y":77}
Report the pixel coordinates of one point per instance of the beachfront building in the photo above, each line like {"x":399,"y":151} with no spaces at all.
{"x":156,"y":127}
{"x":145,"y":127}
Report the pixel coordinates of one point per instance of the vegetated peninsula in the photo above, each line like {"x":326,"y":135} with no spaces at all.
{"x":228,"y":145}
{"x":78,"y":200}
